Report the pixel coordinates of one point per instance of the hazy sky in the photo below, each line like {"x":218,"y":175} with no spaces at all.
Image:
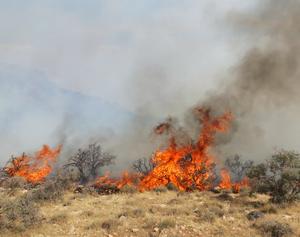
{"x":101,"y":48}
{"x":153,"y":58}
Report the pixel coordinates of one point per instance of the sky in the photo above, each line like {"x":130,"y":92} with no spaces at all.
{"x":99,"y":47}
{"x":145,"y":58}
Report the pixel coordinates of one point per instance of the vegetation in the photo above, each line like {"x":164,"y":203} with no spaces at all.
{"x":88,"y":162}
{"x":143,"y":166}
{"x":279,"y":176}
{"x":237,"y":167}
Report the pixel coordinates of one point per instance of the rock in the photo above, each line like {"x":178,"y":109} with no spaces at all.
{"x":122,"y":218}
{"x":255,"y":215}
{"x":134,"y":230}
{"x":79,"y":189}
{"x":156,"y":229}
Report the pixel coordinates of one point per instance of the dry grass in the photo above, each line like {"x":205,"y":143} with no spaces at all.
{"x":160,"y":213}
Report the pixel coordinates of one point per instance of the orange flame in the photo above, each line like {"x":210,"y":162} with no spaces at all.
{"x":34,"y":169}
{"x":225,"y":180}
{"x":126,"y":179}
{"x":228,"y":185}
{"x":187,"y":167}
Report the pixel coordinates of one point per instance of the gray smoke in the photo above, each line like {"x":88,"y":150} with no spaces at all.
{"x":263,"y":93}
{"x":262,"y":90}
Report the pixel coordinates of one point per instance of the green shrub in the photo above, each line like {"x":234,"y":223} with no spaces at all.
{"x":279,"y":176}
{"x":275,"y":229}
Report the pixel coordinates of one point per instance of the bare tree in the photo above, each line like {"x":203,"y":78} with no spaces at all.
{"x":89,"y":161}
{"x":143,"y":166}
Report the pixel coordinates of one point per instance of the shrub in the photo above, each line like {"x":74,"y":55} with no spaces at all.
{"x":275,"y":229}
{"x":129,"y":189}
{"x":209,"y":214}
{"x":143,"y":166}
{"x":18,"y":214}
{"x":279,"y":176}
{"x":50,"y":190}
{"x":160,"y":189}
{"x":14,"y":182}
{"x":237,"y":167}
{"x":166,"y":223}
{"x":110,"y":224}
{"x":88,"y":161}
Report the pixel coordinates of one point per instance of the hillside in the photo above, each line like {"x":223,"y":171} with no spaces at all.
{"x":162,"y":213}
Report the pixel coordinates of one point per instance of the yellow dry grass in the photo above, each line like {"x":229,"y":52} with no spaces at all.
{"x":161,"y":214}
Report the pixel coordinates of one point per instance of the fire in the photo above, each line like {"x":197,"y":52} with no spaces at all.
{"x":187,"y":167}
{"x":36,"y":168}
{"x":126,"y":179}
{"x":228,"y":185}
{"x":225,"y":180}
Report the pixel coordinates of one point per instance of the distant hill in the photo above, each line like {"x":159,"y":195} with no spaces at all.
{"x":33,"y":110}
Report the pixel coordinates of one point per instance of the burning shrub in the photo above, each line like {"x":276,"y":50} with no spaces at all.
{"x":33,"y":169}
{"x":18,"y":214}
{"x":188,"y":166}
{"x":88,"y":162}
{"x":237,"y":167}
{"x":280,"y":176}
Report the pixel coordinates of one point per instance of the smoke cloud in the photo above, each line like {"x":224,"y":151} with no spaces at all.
{"x":261,"y":90}
{"x":232,"y":56}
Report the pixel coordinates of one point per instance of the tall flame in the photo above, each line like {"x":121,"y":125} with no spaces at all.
{"x":234,"y":186}
{"x":190,"y":166}
{"x":36,"y":168}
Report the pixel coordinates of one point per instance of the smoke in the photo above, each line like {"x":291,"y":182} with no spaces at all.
{"x":261,"y":90}
{"x":263,"y":93}
{"x":156,"y":64}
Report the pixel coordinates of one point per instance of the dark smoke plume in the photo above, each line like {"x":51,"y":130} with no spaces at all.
{"x":267,"y":80}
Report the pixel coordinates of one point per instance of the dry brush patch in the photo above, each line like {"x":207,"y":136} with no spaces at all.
{"x":166,"y":213}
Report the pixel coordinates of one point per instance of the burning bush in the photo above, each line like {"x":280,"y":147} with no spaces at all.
{"x":33,"y":169}
{"x":188,"y":166}
{"x":280,"y":176}
{"x":233,"y":175}
{"x":237,"y":167}
{"x":88,"y":162}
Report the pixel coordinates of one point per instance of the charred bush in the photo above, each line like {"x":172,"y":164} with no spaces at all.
{"x":88,"y":162}
{"x":279,"y":176}
{"x":107,"y":189}
{"x":143,"y":166}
